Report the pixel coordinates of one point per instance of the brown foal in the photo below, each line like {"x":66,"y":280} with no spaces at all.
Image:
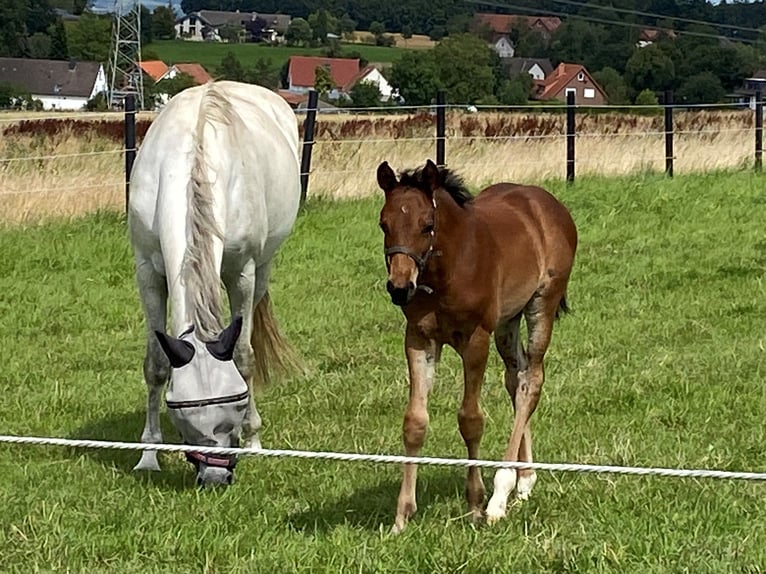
{"x":462,"y":268}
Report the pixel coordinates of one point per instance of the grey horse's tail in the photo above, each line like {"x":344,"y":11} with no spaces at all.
{"x":273,"y":353}
{"x":200,"y":273}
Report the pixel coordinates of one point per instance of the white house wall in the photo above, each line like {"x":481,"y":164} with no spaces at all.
{"x":61,"y":102}
{"x":100,"y":85}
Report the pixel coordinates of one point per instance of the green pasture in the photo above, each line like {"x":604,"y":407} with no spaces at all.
{"x":660,"y":364}
{"x":210,"y":54}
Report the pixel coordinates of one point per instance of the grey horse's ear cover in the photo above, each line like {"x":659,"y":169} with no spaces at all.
{"x":178,"y":352}
{"x":223,"y":348}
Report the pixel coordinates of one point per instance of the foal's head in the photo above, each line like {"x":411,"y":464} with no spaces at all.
{"x":409,"y":223}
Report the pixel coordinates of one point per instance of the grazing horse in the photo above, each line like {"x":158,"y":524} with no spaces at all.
{"x":462,"y":268}
{"x":214,"y":192}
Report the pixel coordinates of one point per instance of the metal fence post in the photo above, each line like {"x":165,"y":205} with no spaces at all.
{"x":668,"y":102}
{"x":441,"y":124}
{"x":758,"y":130}
{"x":308,"y":142}
{"x":130,"y":142}
{"x":570,"y":137}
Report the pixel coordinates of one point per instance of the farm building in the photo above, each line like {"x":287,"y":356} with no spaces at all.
{"x":58,"y":84}
{"x":253,"y":26}
{"x":570,"y":78}
{"x":344,"y":73}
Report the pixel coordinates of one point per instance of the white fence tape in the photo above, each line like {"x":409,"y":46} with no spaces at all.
{"x":388,"y":458}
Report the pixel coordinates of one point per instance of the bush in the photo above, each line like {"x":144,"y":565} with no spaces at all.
{"x":647,"y":98}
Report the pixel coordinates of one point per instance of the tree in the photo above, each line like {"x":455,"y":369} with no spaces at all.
{"x":230,"y":68}
{"x":649,"y":68}
{"x":346,"y":25}
{"x":230,"y":33}
{"x":406,"y":31}
{"x":515,"y":91}
{"x":90,"y":38}
{"x":702,"y":88}
{"x":416,"y":77}
{"x":59,"y":48}
{"x":464,"y":65}
{"x":647,"y":98}
{"x":163,"y":23}
{"x":323,"y":82}
{"x":299,"y":32}
{"x":365,"y":95}
{"x":613,"y":84}
{"x":377,"y":28}
{"x":322,"y":23}
{"x":39,"y":45}
{"x":263,"y":74}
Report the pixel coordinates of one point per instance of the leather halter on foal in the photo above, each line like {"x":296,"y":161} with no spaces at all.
{"x":420,"y":260}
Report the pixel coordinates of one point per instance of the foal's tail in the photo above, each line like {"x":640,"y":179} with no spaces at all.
{"x":563,"y":307}
{"x":273,"y":353}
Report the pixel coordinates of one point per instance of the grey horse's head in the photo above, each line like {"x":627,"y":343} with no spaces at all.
{"x":207,"y":398}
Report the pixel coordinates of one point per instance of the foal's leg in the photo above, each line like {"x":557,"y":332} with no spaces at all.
{"x":540,"y":314}
{"x":240,"y":287}
{"x":154,"y":293}
{"x":470,"y":415}
{"x":422,"y":355}
{"x":508,"y":343}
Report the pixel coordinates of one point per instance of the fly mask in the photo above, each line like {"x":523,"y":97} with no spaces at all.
{"x":207,"y":398}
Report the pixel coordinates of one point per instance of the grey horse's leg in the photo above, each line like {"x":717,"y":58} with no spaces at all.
{"x":154,"y":294}
{"x":240,"y":288}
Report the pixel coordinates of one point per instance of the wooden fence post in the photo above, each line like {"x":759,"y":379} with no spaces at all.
{"x":308,"y":142}
{"x":441,"y":124}
{"x":570,"y":137}
{"x":130,"y":142}
{"x":668,"y":103}
{"x":758,"y":130}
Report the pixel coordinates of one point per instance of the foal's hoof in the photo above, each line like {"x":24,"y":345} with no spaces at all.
{"x":524,"y":485}
{"x":148,"y":462}
{"x":494,"y":513}
{"x":398,"y":528}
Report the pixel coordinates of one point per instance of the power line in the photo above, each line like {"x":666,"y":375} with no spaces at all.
{"x":595,"y":20}
{"x":654,"y":15}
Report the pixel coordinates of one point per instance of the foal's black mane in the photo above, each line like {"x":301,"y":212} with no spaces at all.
{"x":451,"y":182}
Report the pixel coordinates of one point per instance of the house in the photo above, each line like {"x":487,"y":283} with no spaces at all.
{"x":570,"y":78}
{"x":750,"y":87}
{"x":371,"y":74}
{"x":301,"y":73}
{"x":58,"y":84}
{"x":155,"y":69}
{"x":647,"y":36}
{"x":253,"y":26}
{"x":199,"y":74}
{"x":538,"y":68}
{"x":498,"y":27}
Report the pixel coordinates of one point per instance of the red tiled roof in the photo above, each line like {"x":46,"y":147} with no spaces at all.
{"x":652,"y":34}
{"x":361,"y":75}
{"x":502,"y":23}
{"x":292,"y":98}
{"x":196,"y":71}
{"x":560,"y":78}
{"x":155,"y":69}
{"x":302,"y":68}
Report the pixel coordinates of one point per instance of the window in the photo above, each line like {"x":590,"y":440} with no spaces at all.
{"x":580,"y":77}
{"x":589,"y":93}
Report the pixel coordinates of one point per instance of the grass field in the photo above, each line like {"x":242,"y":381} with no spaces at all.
{"x":210,"y":54}
{"x":661,"y":363}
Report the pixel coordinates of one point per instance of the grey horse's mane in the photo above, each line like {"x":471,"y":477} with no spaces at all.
{"x":200,"y":273}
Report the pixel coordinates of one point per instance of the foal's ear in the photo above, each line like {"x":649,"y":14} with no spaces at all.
{"x":386,"y":177}
{"x":223,"y":348}
{"x":178,"y":352}
{"x":431,"y":176}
